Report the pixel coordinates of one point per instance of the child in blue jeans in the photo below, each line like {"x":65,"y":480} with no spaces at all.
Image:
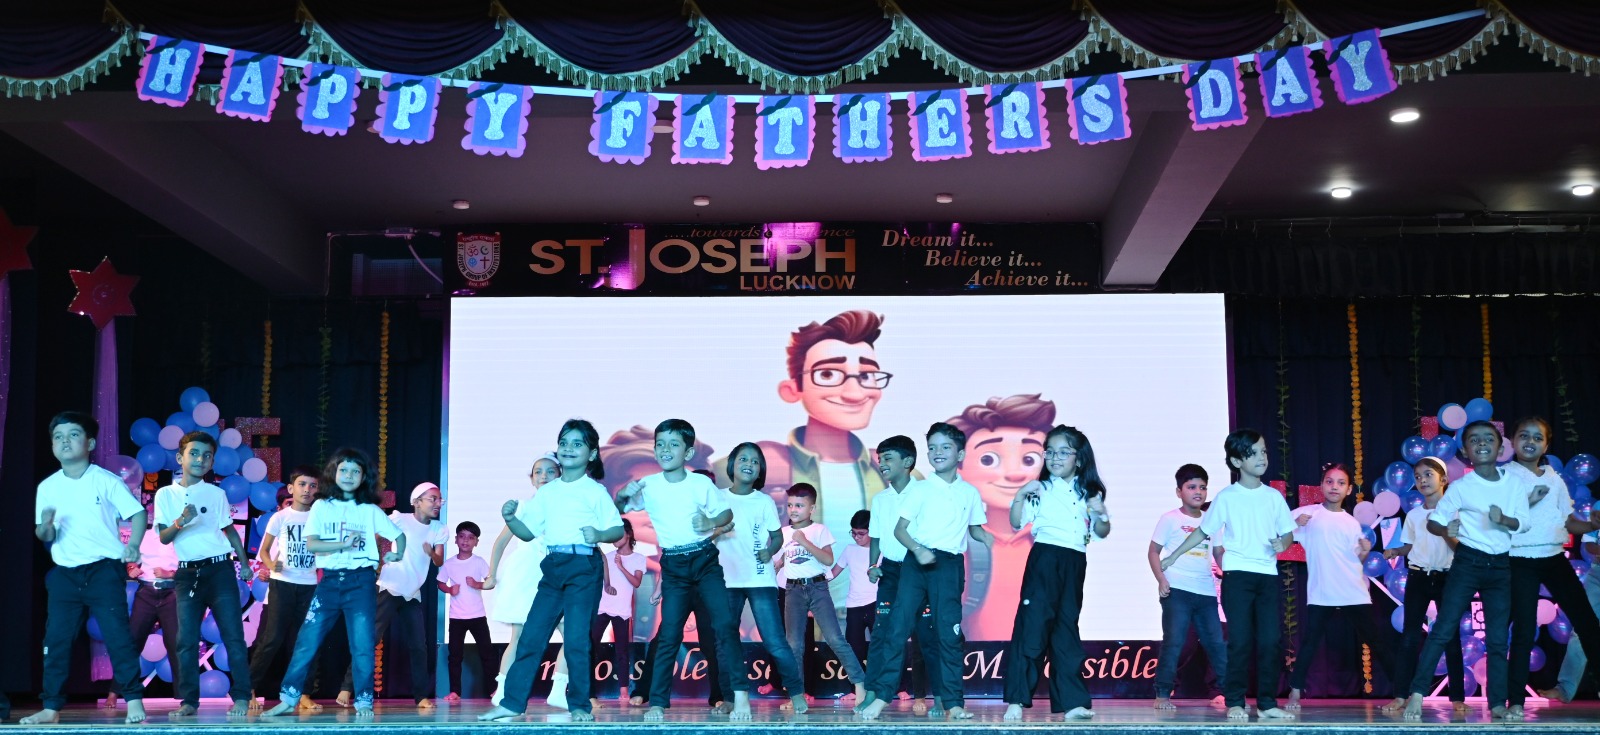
{"x":1188,"y":589}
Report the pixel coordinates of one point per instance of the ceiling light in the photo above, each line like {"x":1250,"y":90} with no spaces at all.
{"x":461,"y":204}
{"x":1341,"y":192}
{"x":1583,"y":190}
{"x":1405,"y":115}
{"x":702,"y":201}
{"x":944,"y":198}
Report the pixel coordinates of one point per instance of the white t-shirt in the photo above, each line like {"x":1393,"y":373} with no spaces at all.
{"x":87,"y":512}
{"x":155,"y":555}
{"x":1192,"y":571}
{"x":672,"y":507}
{"x":1249,"y":519}
{"x":288,"y":531}
{"x":798,"y":562}
{"x":1330,"y":539}
{"x":1469,"y":499}
{"x":621,"y":604}
{"x":201,"y":537}
{"x":559,"y":511}
{"x":1547,"y":521}
{"x":468,"y":603}
{"x":885,"y":517}
{"x":940,"y":512}
{"x":1060,"y":518}
{"x":404,"y":578}
{"x":1430,"y":553}
{"x":863,"y":591}
{"x":334,"y":520}
{"x":755,"y":516}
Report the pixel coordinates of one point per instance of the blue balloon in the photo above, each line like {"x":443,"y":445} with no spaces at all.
{"x":1375,"y":564}
{"x":1452,"y":417}
{"x":191,"y":397}
{"x":1398,"y":476}
{"x":1398,"y":619}
{"x":245,"y":453}
{"x":1468,"y":625}
{"x":1469,"y":682}
{"x":237,"y":492}
{"x":162,"y":668}
{"x":1397,"y":577}
{"x":1536,"y":658}
{"x":1584,"y":468}
{"x":1560,"y":628}
{"x":183,"y":421}
{"x":219,"y":657}
{"x":1472,"y":650}
{"x":1583,"y":510}
{"x":1582,"y":494}
{"x":1443,"y":446}
{"x":1554,"y":462}
{"x":215,"y":432}
{"x":152,"y":458}
{"x":1442,"y":668}
{"x":263,"y":496}
{"x":1414,"y":448}
{"x":259,"y":588}
{"x":1479,"y":409}
{"x":1580,"y":566}
{"x":244,"y":594}
{"x":214,"y":684}
{"x":208,"y":629}
{"x":1377,"y":486}
{"x":94,"y":629}
{"x":1410,"y":499}
{"x":132,"y":590}
{"x":144,"y":432}
{"x":172,"y":463}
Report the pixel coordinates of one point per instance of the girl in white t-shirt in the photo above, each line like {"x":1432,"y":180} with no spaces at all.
{"x":521,"y":572}
{"x":1066,"y":507}
{"x":1335,"y":545}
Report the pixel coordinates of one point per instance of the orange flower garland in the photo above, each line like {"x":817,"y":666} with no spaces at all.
{"x":383,"y":403}
{"x":1355,"y":395}
{"x":1488,"y":376}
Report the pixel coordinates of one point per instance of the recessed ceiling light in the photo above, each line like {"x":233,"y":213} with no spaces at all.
{"x":702,"y":201}
{"x":943,"y":198}
{"x":1583,"y":190}
{"x":461,"y":204}
{"x":1341,"y":192}
{"x":1405,"y":115}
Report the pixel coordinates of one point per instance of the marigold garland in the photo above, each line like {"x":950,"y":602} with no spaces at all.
{"x":1355,"y":395}
{"x":1488,"y":377}
{"x":1366,"y":669}
{"x":377,"y":667}
{"x":383,"y":402}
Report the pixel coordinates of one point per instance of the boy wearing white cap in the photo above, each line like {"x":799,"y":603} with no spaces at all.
{"x":400,"y":589}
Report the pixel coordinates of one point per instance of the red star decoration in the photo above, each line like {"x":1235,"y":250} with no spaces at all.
{"x":14,"y":246}
{"x":102,"y":294}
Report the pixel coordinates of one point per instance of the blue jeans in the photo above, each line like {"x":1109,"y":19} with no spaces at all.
{"x":570,"y":588}
{"x":815,"y":600}
{"x":1180,"y":611}
{"x":215,"y":586}
{"x":407,"y":615}
{"x":1489,"y":576}
{"x":684,"y":577}
{"x":769,"y":623}
{"x":1576,"y":661}
{"x":352,"y":593}
{"x":99,"y":589}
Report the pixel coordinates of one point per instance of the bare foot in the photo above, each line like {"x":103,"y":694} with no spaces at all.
{"x":1514,"y":713}
{"x":1555,"y":693}
{"x":741,"y":707}
{"x":937,"y":710}
{"x":1414,"y":707}
{"x":1275,"y":714}
{"x":1219,"y":701}
{"x":44,"y":717}
{"x":135,"y":712}
{"x":498,"y":714}
{"x":722,"y":708}
{"x":635,"y":701}
{"x":1459,"y":707}
{"x":451,"y":697}
{"x":307,"y":704}
{"x":655,"y":714}
{"x":110,"y":702}
{"x":255,"y":703}
{"x":1165,"y":703}
{"x":797,"y":704}
{"x":1394,"y":705}
{"x":871,"y":711}
{"x":1294,"y":700}
{"x":1497,"y":713}
{"x":594,"y":703}
{"x":184,"y":711}
{"x":425,"y":704}
{"x":1238,"y":713}
{"x":343,"y":700}
{"x":581,"y":716}
{"x":363,"y":713}
{"x":860,"y":693}
{"x":1079,"y":713}
{"x":1013,"y":712}
{"x":862,"y":702}
{"x":240,"y":708}
{"x":960,"y":713}
{"x":282,"y":708}
{"x":919,"y":707}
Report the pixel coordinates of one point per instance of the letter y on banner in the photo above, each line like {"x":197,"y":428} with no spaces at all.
{"x":1288,"y":85}
{"x":327,"y":99}
{"x":168,"y":70}
{"x":785,"y":131}
{"x":250,"y":85}
{"x":1216,"y":94}
{"x":1360,"y":66}
{"x":1015,"y":115}
{"x":1097,"y":107}
{"x":497,"y":119}
{"x":702,"y":130}
{"x":941,"y":128}
{"x":622,"y":126}
{"x":407,"y":108}
{"x":861,"y":128}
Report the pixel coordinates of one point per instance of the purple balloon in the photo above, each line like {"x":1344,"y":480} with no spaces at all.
{"x":1536,"y":658}
{"x":1473,"y":650}
{"x":214,"y":684}
{"x":1561,"y":628}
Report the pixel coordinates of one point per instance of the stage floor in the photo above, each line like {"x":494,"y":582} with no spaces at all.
{"x":1324,"y":717}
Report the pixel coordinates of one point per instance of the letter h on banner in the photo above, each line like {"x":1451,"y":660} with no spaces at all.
{"x":1360,"y":66}
{"x":497,"y":119}
{"x":1097,"y":107}
{"x":785,"y":131}
{"x":1288,"y":84}
{"x":622,"y":126}
{"x":1216,"y":94}
{"x":168,"y":71}
{"x":250,"y":85}
{"x":940,"y":125}
{"x":1015,"y":116}
{"x":861,"y":127}
{"x":702,"y":129}
{"x":327,"y":99}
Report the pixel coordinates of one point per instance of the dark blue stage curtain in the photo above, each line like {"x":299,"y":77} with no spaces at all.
{"x":257,"y":26}
{"x":608,"y":36}
{"x":50,"y":40}
{"x":810,"y":38}
{"x":1194,"y":29}
{"x":409,"y":36}
{"x":1001,"y":35}
{"x":1334,"y":18}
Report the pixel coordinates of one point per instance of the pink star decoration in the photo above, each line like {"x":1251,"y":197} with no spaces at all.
{"x":102,"y":294}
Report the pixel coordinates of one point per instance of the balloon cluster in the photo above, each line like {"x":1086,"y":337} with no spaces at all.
{"x":240,"y":473}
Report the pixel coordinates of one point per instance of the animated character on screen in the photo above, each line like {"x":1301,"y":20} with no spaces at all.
{"x":834,"y":374}
{"x":1004,"y":452}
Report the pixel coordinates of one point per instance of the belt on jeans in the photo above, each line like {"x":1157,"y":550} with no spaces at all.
{"x":159,"y":584}
{"x":686,"y":548}
{"x":1425,"y":570}
{"x":819,"y":579}
{"x":198,"y":563}
{"x":579,"y":549}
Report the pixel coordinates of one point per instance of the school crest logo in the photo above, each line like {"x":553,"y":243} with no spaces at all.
{"x":478,"y":258}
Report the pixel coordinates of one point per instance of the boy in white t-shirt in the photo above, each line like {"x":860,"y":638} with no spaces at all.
{"x":685,"y":507}
{"x":291,"y":573}
{"x":400,"y":590}
{"x":803,"y":562}
{"x":75,"y":514}
{"x":937,"y":516}
{"x":195,"y":518}
{"x":897,"y":457}
{"x":1428,"y":558}
{"x":861,"y":604}
{"x":1336,"y":584}
{"x":1253,"y":519}
{"x":624,"y":572}
{"x":461,"y":577}
{"x":1188,"y":589}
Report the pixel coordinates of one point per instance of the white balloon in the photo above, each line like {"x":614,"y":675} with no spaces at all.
{"x":254,"y":469}
{"x":1387,"y":503}
{"x":169,"y":437}
{"x":1366,"y":514}
{"x":1547,"y":612}
{"x":231,"y":438}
